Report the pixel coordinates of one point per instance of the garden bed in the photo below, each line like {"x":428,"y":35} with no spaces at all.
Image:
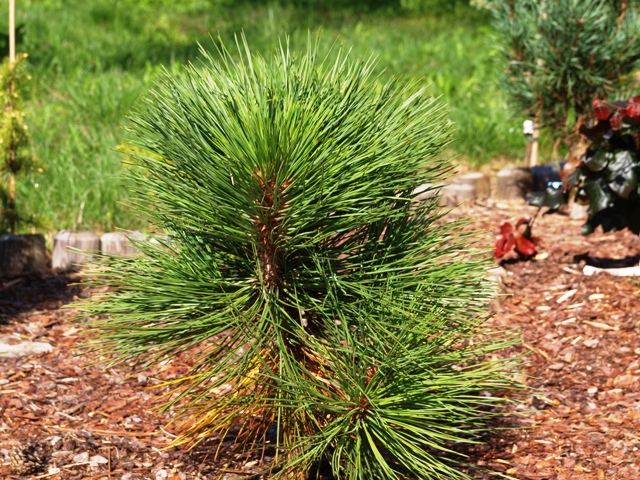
{"x":581,"y":419}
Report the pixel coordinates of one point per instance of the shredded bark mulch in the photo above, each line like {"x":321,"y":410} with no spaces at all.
{"x":580,"y":419}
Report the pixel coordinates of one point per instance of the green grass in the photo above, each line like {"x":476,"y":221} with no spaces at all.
{"x":90,"y":60}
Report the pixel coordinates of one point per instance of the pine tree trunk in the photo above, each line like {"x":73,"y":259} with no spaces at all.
{"x":11,"y":211}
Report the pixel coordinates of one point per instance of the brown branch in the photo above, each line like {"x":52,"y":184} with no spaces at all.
{"x":517,"y":48}
{"x":622,"y":14}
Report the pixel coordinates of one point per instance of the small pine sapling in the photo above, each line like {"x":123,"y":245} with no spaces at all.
{"x":327,"y":314}
{"x":15,"y":148}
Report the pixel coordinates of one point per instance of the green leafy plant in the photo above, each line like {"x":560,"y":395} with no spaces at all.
{"x":609,"y":172}
{"x":326,"y":311}
{"x":14,"y":139}
{"x":560,"y":54}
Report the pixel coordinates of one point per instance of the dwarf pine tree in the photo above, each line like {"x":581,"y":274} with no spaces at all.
{"x":327,"y":313}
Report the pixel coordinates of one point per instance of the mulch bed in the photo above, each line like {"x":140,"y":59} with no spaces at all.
{"x":579,"y":420}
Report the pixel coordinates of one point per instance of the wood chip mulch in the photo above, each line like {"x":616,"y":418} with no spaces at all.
{"x":580,"y":419}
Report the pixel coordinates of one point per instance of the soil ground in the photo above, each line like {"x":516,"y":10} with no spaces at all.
{"x":579,"y":420}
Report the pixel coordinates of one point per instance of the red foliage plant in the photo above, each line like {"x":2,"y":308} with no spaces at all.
{"x":524,"y":244}
{"x":609,"y":171}
{"x":612,"y":116}
{"x":628,"y":111}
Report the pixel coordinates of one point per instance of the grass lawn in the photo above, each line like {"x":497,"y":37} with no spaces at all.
{"x":91,"y":59}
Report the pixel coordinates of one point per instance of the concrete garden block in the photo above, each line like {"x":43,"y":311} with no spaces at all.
{"x":66,"y":242}
{"x":513,"y":183}
{"x":450,"y":195}
{"x":119,"y":243}
{"x":22,"y":253}
{"x":479,"y":181}
{"x":427,"y":191}
{"x":457,"y":193}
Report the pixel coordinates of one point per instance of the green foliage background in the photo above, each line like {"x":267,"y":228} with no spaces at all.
{"x":91,"y":60}
{"x":563,"y":54}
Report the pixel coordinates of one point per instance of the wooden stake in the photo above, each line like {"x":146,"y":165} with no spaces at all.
{"x":531,"y":152}
{"x":534,"y":148}
{"x":12,"y":31}
{"x":12,"y":59}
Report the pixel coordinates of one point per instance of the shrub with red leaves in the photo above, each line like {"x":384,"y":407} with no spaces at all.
{"x":524,"y":244}
{"x":609,"y":172}
{"x":615,"y":112}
